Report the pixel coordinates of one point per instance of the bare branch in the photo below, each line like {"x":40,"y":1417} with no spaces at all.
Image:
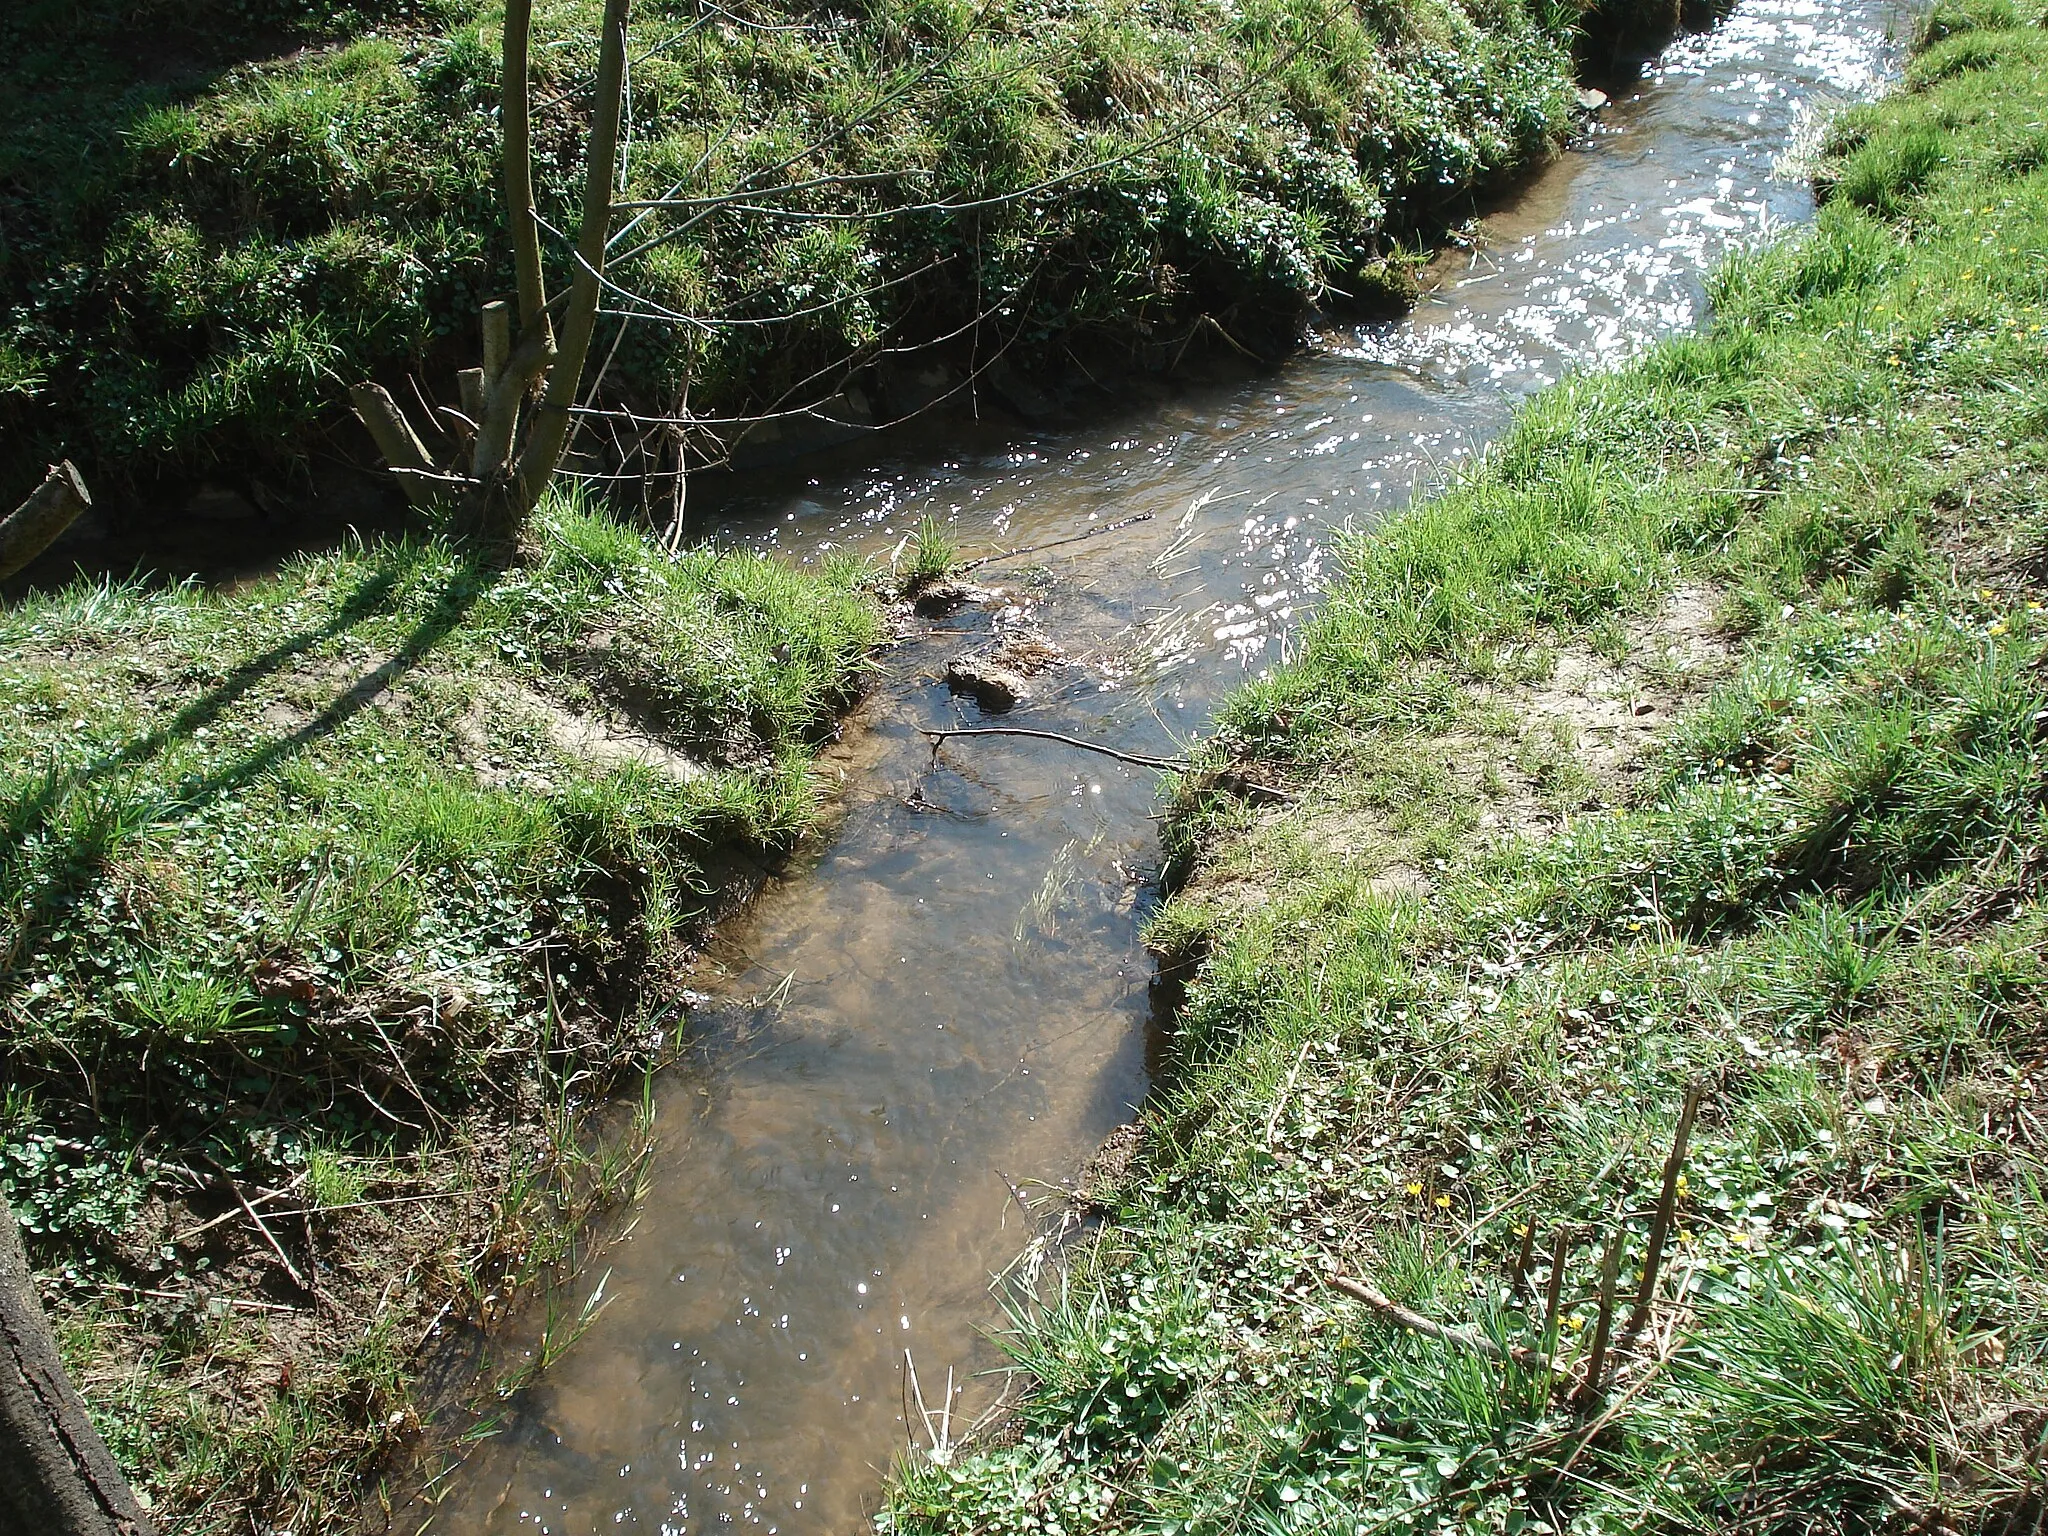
{"x":1178,"y":129}
{"x":657,"y":311}
{"x":724,"y":199}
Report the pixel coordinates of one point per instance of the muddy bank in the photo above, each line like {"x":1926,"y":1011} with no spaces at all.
{"x":331,"y":900}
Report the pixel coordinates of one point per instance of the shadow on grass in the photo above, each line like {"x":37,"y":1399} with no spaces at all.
{"x":91,"y":817}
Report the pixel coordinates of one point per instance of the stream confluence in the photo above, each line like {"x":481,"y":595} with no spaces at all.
{"x":948,"y":1005}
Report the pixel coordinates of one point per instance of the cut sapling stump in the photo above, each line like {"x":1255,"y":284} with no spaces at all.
{"x":35,"y":525}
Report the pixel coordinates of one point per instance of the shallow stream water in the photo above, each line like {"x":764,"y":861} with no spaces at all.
{"x":948,"y":1007}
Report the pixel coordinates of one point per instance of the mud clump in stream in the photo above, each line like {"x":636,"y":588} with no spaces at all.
{"x":1001,"y":678}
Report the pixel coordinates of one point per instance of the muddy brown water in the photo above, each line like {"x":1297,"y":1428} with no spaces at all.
{"x":948,"y":1007}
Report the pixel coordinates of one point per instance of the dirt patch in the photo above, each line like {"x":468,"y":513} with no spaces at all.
{"x":606,"y":742}
{"x":1604,"y":713}
{"x":481,"y":731}
{"x":1110,"y":1166}
{"x":1532,"y":755}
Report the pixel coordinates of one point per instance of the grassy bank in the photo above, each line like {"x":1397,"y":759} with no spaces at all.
{"x":216,"y":214}
{"x":327,"y":903}
{"x":1692,"y":739}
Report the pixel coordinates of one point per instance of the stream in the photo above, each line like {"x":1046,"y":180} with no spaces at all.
{"x":945,"y":1008}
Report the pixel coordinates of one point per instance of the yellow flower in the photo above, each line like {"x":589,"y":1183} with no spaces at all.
{"x":1521,"y":1229}
{"x":1997,"y":627}
{"x":1575,"y":1323}
{"x":1414,"y":1189}
{"x":1443,"y":1202}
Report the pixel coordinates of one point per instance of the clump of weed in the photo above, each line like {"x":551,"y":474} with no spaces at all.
{"x":933,"y":551}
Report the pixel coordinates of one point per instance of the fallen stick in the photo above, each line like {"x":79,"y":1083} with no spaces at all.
{"x":1138,"y":759}
{"x":226,"y":1216}
{"x":268,"y":1236}
{"x":1032,"y":549}
{"x":321,"y":1210}
{"x":240,"y":1303}
{"x":1415,"y":1322}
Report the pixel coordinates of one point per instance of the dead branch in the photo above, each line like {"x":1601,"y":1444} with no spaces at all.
{"x":1429,"y":1327}
{"x":1610,"y":1277}
{"x":1136,"y":759}
{"x":33,"y":526}
{"x":269,"y":1237}
{"x":1553,"y":1286}
{"x":1660,"y":1224}
{"x":1072,"y":538}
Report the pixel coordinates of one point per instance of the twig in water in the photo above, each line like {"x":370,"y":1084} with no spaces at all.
{"x":1415,"y":1322}
{"x":1032,"y":549}
{"x":938,"y":1428}
{"x":1137,"y":759}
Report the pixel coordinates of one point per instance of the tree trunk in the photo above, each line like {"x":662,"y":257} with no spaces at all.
{"x":34,"y":525}
{"x":549,"y":436}
{"x":519,"y":215}
{"x":56,"y":1475}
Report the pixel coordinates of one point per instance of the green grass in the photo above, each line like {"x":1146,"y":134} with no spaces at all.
{"x":358,"y":881}
{"x":1821,"y":900}
{"x":933,"y":552}
{"x":210,"y":231}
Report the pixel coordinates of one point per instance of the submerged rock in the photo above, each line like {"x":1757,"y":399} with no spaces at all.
{"x":944,"y":594}
{"x":988,"y":682}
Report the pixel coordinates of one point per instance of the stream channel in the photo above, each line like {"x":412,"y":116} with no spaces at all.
{"x":948,"y":1002}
